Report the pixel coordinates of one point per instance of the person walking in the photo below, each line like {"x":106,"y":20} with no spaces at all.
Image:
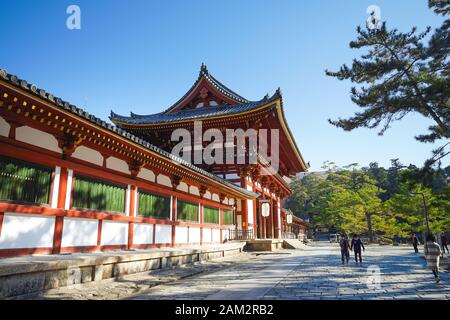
{"x":345,"y":246}
{"x":415,"y":243}
{"x":433,"y":253}
{"x":444,"y":243}
{"x":356,"y":246}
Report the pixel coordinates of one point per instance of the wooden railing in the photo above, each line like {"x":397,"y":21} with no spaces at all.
{"x":239,"y":234}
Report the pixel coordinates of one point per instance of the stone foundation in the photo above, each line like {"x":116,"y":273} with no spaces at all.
{"x":264,"y":245}
{"x":27,"y":275}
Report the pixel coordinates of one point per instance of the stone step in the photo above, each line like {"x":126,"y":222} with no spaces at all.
{"x":293,"y":244}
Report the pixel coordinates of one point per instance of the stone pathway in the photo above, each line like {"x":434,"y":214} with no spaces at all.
{"x":314,"y":273}
{"x":135,"y":283}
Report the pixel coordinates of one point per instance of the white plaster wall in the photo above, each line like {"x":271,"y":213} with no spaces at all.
{"x":216,"y":235}
{"x":55,"y":186}
{"x":117,"y":164}
{"x":181,"y":235}
{"x":163,"y":233}
{"x":207,"y":235}
{"x":215,"y":197}
{"x":26,"y":231}
{"x":4,"y":127}
{"x":250,"y":211}
{"x":114,"y":233}
{"x":142,"y":233}
{"x":183,"y":187}
{"x":250,"y":207}
{"x":146,"y":174}
{"x":194,"y":190}
{"x":79,"y":232}
{"x":207,"y":195}
{"x":37,"y":138}
{"x":89,"y":155}
{"x":194,"y":235}
{"x":225,"y":234}
{"x":239,"y":221}
{"x":164,"y":180}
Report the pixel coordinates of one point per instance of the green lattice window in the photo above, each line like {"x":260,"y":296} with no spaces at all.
{"x":24,"y":182}
{"x":97,"y":195}
{"x":153,"y":206}
{"x":228,"y":217}
{"x":210,"y":215}
{"x":187,"y":211}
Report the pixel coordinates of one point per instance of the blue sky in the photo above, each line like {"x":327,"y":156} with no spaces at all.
{"x":142,"y":56}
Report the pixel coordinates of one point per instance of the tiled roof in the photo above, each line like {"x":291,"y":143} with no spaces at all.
{"x":42,"y":94}
{"x":204,"y":74}
{"x":192,"y":114}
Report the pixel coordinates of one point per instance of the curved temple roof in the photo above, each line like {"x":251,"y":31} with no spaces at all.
{"x":193,"y":114}
{"x":58,"y":102}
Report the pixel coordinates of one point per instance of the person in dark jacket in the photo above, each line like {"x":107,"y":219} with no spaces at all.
{"x":356,"y":246}
{"x":444,"y":243}
{"x":415,"y":243}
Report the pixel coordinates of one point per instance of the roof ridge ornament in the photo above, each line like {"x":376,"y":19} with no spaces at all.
{"x":204,"y":69}
{"x":278,"y":92}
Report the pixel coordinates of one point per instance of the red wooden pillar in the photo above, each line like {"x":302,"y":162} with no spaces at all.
{"x":244,"y":207}
{"x":2,"y":214}
{"x":99,"y":234}
{"x":201,"y":222}
{"x":221,"y":223}
{"x":174,"y":218}
{"x":276,"y":222}
{"x":59,"y":220}
{"x":132,"y":209}
{"x":271,"y":219}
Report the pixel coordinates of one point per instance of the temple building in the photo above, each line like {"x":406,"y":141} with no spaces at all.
{"x":219,"y":108}
{"x":70,"y":182}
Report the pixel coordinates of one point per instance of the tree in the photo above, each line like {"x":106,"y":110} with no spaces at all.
{"x":399,"y":75}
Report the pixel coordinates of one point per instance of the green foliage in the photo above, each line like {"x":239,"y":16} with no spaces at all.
{"x":399,"y":73}
{"x":153,"y":206}
{"x":20,"y":181}
{"x":374,"y":200}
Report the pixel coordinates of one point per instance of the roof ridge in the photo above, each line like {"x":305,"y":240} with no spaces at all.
{"x":251,"y":104}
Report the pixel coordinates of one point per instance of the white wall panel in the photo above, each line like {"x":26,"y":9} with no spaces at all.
{"x":181,"y":235}
{"x":207,"y":235}
{"x":114,"y":233}
{"x":79,"y":232}
{"x":142,"y":233}
{"x":89,"y":155}
{"x":117,"y":164}
{"x":37,"y":138}
{"x":27,"y":231}
{"x":194,"y":235}
{"x":4,"y":127}
{"x":163,"y":233}
{"x":216,"y":235}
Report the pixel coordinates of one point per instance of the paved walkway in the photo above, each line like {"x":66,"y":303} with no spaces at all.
{"x":314,"y":273}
